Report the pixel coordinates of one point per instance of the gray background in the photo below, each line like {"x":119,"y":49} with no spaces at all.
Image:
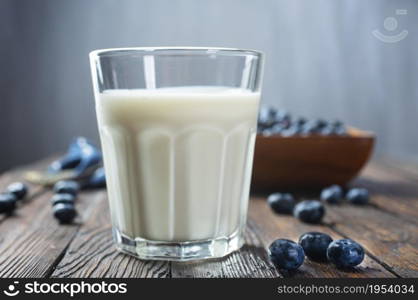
{"x":322,"y":61}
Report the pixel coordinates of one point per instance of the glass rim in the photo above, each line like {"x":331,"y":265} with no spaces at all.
{"x":176,"y":50}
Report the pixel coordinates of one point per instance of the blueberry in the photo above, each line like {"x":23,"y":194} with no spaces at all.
{"x":358,"y":196}
{"x":345,"y":253}
{"x":309,"y":211}
{"x":98,"y":179}
{"x":321,"y":123}
{"x":62,"y":198}
{"x":271,"y":111}
{"x":266,"y":117}
{"x":7,"y":203}
{"x":334,"y":129}
{"x":291,"y":131}
{"x":281,"y":203}
{"x":18,"y":189}
{"x":311,"y":127}
{"x":286,"y":254}
{"x":66,"y":187}
{"x":332,"y":194}
{"x":64,"y":212}
{"x":340,"y":130}
{"x":277,"y":129}
{"x":283,"y":117}
{"x":70,"y":161}
{"x":328,"y":130}
{"x":81,"y":155}
{"x":267,"y":132}
{"x":315,"y":245}
{"x":337,"y":123}
{"x":301,"y":121}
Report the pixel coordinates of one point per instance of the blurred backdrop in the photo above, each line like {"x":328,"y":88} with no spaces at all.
{"x":322,"y":60}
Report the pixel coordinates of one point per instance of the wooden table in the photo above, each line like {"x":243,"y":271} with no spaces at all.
{"x":33,"y":244}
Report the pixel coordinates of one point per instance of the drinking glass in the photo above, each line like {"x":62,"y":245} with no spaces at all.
{"x":177,"y":128}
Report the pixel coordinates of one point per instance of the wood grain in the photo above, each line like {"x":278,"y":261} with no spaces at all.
{"x":93,"y":254}
{"x":392,"y":191}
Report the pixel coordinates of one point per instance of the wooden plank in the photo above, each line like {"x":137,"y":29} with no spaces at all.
{"x":387,"y":237}
{"x":392,"y":190}
{"x":32,"y":241}
{"x":272,"y":226}
{"x":93,"y":254}
{"x":33,"y":244}
{"x":250,"y":262}
{"x":407,"y":169}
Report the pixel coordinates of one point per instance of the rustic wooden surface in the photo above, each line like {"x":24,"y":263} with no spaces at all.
{"x":33,"y":244}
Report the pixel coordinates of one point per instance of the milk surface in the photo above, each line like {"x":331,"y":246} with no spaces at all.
{"x":178,"y":160}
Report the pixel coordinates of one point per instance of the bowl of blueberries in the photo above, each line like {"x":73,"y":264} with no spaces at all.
{"x":301,"y":153}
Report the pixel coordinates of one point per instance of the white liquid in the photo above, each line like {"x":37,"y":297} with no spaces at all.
{"x":178,"y":160}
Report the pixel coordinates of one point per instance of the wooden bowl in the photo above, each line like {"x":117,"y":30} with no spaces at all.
{"x":311,"y":162}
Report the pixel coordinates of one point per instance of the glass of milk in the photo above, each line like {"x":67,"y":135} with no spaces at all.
{"x":177,"y":128}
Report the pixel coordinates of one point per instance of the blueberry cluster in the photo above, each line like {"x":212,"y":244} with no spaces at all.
{"x":14,"y":193}
{"x":288,"y":255}
{"x":334,"y":195}
{"x":63,"y":201}
{"x":312,"y":211}
{"x":279,"y":122}
{"x":308,"y":211}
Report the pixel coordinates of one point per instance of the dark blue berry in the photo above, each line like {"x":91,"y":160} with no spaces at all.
{"x":358,"y":196}
{"x":333,"y":128}
{"x":332,"y":194}
{"x":309,"y":211}
{"x":311,"y":127}
{"x":81,"y":155}
{"x":66,"y":187}
{"x":301,"y":121}
{"x":328,"y":130}
{"x":281,"y":203}
{"x":62,"y":198}
{"x":291,"y":131}
{"x":267,"y":132}
{"x":7,"y":203}
{"x":283,"y":117}
{"x":321,"y":123}
{"x":69,"y":161}
{"x":337,"y":123}
{"x":286,"y":254}
{"x":339,"y":128}
{"x":340,"y":131}
{"x":266,"y":117}
{"x":64,"y":212}
{"x":345,"y":253}
{"x":315,"y":245}
{"x":98,"y":179}
{"x":277,"y":129}
{"x":19,"y":189}
{"x":271,"y":111}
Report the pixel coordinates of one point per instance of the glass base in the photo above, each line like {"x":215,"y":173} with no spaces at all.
{"x":177,"y":251}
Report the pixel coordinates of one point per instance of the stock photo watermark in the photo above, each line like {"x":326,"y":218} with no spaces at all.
{"x":70,"y":289}
{"x":390,"y":24}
